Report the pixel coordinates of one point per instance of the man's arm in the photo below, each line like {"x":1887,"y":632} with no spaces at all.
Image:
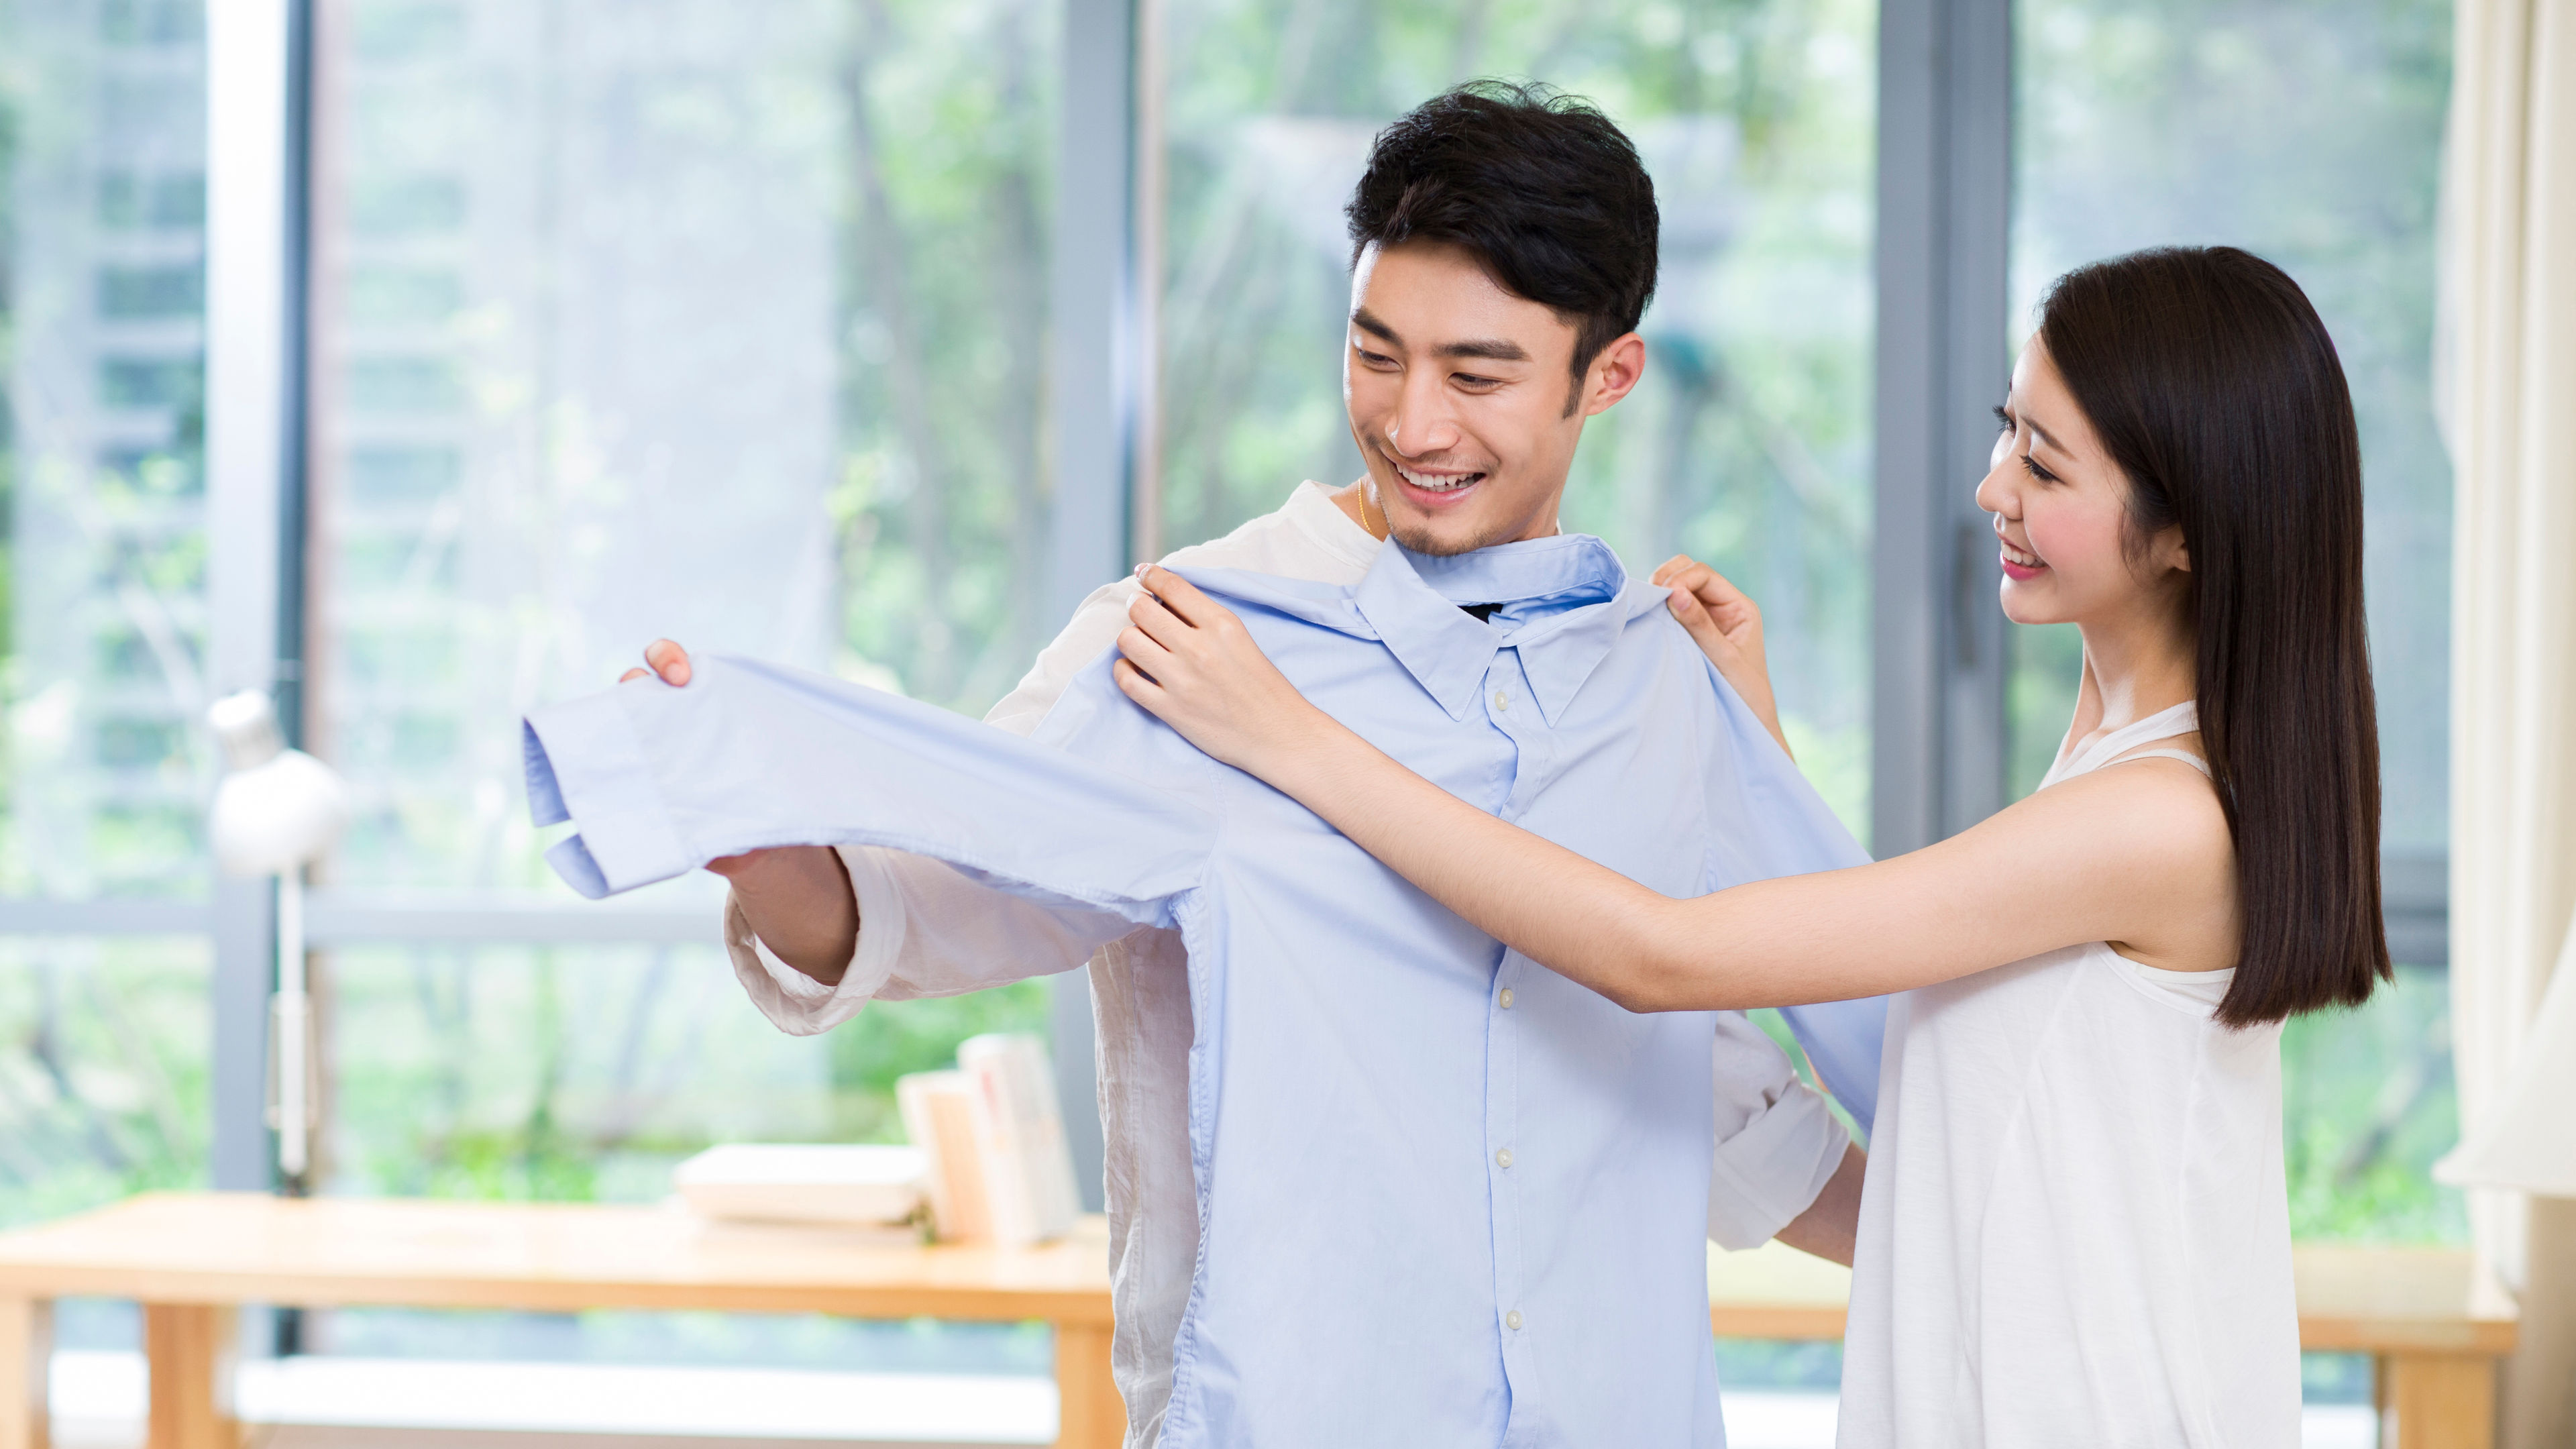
{"x":1831,"y":1224}
{"x":1781,"y":1153}
{"x":796,"y":898}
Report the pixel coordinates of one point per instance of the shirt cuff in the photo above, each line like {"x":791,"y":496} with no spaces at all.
{"x":797,"y":1003}
{"x":586,"y":764}
{"x":1767,"y":1174}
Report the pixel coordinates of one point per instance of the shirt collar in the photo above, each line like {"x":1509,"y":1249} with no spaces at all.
{"x":1565,"y":600}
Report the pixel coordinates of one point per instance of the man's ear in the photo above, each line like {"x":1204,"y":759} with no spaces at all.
{"x":1613,"y":375}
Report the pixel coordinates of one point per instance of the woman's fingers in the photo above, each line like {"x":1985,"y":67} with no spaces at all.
{"x":1704,"y":631}
{"x":1158,"y":623}
{"x":668,"y":660}
{"x":1181,"y":597}
{"x":1134,"y":683}
{"x":1673,"y":572}
{"x":1144,"y":652}
{"x":1175,"y":594}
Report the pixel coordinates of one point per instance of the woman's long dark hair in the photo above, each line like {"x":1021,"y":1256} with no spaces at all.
{"x":2214,"y":386}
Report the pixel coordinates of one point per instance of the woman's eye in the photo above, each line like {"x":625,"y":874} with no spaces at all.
{"x":2003,"y":420}
{"x":2031,"y":464}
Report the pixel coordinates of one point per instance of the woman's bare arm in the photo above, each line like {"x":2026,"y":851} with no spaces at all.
{"x":2137,"y":856}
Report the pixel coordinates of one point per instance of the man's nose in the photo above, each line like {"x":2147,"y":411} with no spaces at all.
{"x":1422,"y":424}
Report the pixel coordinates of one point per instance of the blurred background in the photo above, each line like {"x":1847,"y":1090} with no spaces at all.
{"x":867,"y":335}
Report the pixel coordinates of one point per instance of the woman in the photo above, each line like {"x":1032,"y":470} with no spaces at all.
{"x":2074,"y":1227}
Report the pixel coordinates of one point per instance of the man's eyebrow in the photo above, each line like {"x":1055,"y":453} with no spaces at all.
{"x":1367,"y":321}
{"x":1492,"y":349}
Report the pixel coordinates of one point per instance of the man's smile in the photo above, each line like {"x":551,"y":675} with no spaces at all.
{"x":1433,"y":488}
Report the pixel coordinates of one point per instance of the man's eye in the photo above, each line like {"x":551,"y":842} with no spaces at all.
{"x":1374,"y":359}
{"x":1469,"y":379}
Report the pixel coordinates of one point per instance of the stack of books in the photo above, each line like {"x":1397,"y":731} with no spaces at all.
{"x":991,"y":1134}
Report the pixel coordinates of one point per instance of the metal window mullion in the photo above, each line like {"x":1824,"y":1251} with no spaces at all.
{"x":1938,"y":724}
{"x":1099,"y":388}
{"x":253,"y":365}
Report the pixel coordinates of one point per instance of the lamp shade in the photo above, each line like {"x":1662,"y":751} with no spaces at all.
{"x":2526,"y":1138}
{"x":276,"y":808}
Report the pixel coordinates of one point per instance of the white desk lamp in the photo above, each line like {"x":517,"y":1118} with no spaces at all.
{"x":2527,"y":1138}
{"x":276,"y":810}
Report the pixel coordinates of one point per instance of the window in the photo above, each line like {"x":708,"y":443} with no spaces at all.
{"x":103,"y":592}
{"x":708,"y":323}
{"x":695,"y":328}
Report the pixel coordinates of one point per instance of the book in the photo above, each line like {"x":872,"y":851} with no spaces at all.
{"x":992,"y":1134}
{"x":792,"y":1182}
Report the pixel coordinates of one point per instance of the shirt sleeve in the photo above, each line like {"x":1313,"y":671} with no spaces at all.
{"x":1778,"y":825}
{"x":749,"y":755}
{"x":1777,"y":1142}
{"x":926,"y":928}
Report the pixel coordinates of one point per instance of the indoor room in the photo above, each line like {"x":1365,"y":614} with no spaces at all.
{"x":607,"y":843}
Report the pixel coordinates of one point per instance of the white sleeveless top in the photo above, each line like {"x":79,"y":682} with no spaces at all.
{"x":2075,"y":1229}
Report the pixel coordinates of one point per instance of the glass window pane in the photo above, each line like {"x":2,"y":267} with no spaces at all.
{"x":676,"y":319}
{"x":642,"y":318}
{"x":103,"y":567}
{"x":1748,"y":443}
{"x":2309,"y":133}
{"x":103,"y":1058}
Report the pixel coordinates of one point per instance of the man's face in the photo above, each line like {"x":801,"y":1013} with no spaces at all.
{"x":1463,"y":400}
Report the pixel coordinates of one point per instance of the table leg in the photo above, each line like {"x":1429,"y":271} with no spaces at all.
{"x":2437,"y":1401}
{"x":1088,"y":1413}
{"x":26,"y":1358}
{"x":189,"y":1347}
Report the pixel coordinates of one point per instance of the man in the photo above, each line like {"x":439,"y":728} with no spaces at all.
{"x":1503,"y":253}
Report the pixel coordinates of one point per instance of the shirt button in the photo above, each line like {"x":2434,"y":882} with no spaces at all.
{"x":1512,"y":1320}
{"x":1502,"y":699}
{"x":1503,"y":1158}
{"x":1507,"y":998}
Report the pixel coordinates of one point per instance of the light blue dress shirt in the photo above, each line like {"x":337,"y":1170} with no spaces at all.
{"x":1447,"y":1196}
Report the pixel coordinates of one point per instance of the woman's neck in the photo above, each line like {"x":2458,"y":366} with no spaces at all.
{"x":2134,"y":669}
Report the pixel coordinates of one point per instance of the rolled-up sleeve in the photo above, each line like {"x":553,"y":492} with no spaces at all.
{"x":926,"y":929}
{"x":1778,"y":1143}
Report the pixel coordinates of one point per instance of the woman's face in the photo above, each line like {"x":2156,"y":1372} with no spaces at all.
{"x":2061,"y":510}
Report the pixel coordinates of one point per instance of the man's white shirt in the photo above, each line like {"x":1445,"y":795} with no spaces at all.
{"x":927,"y":930}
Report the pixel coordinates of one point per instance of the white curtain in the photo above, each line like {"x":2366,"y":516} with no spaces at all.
{"x":2508,"y":390}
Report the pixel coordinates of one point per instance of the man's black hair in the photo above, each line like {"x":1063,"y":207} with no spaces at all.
{"x":1538,"y":184}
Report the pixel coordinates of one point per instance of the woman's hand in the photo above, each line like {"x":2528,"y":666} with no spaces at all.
{"x":1192,"y":663}
{"x":1728,"y":625}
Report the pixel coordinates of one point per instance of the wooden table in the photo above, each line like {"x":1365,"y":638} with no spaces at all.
{"x":2434,"y":1333}
{"x":191,"y":1259}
